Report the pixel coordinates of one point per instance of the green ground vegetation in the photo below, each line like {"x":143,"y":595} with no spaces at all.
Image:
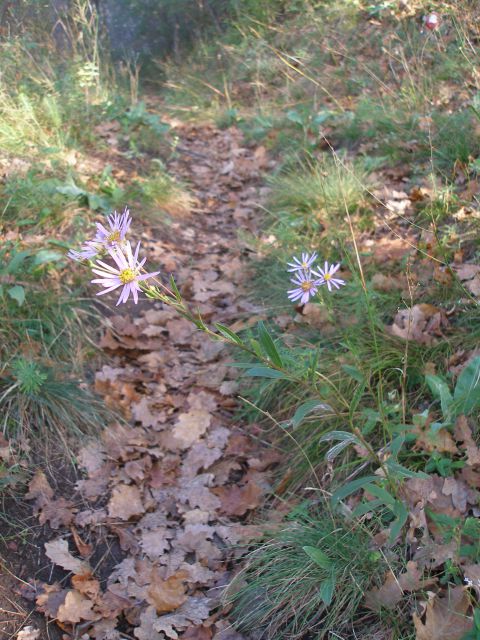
{"x":363,"y":108}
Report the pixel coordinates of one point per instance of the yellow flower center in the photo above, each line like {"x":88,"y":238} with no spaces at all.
{"x":306,"y":286}
{"x":127,"y":275}
{"x":113,"y":237}
{"x":304,"y":265}
{"x":327,"y":276}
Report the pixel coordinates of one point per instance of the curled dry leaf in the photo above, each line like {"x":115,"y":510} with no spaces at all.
{"x":463,"y":435}
{"x":392,"y":590}
{"x":166,"y":595}
{"x":469,"y":274}
{"x":236,"y":501}
{"x":447,"y":616}
{"x":76,"y":608}
{"x":57,"y":551}
{"x":49,"y":601}
{"x":28,"y":633}
{"x":190,"y":427}
{"x":429,"y":440}
{"x":423,"y":323}
{"x":39,"y":489}
{"x":59,"y":513}
{"x":126,"y":502}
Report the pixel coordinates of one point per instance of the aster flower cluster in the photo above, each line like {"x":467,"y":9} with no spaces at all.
{"x":308,"y":278}
{"x":111,"y":241}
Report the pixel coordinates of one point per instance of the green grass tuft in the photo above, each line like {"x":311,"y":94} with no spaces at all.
{"x":282,"y":592}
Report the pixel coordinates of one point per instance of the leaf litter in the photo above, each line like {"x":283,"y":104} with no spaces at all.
{"x":175,"y":483}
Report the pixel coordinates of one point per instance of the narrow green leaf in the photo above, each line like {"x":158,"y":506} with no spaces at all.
{"x":327,"y":590}
{"x":256,"y":347}
{"x":365,"y":507}
{"x":357,"y":396}
{"x":319,"y":557}
{"x":266,"y":372}
{"x":305,"y":408}
{"x":268,"y":345}
{"x":341,"y":436}
{"x":351,"y":487}
{"x":382,"y":495}
{"x":17,"y":293}
{"x":228,"y":333}
{"x":401,"y":513}
{"x":333,"y":452}
{"x":174,"y":288}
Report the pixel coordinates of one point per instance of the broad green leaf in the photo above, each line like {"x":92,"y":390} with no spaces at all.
{"x":467,"y":390}
{"x":266,"y":372}
{"x":327,"y":590}
{"x":399,"y":470}
{"x":295,"y":117}
{"x":228,"y":333}
{"x":319,"y":557}
{"x":372,"y":417}
{"x":268,"y":345}
{"x":17,"y":293}
{"x":72,"y":190}
{"x":47,"y":255}
{"x":351,"y":487}
{"x":16,"y":261}
{"x":353,"y":372}
{"x":441,"y":391}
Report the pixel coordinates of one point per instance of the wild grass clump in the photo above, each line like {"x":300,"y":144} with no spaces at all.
{"x":162,"y":193}
{"x":313,"y":197}
{"x":44,"y":346}
{"x":308,"y":575}
{"x":39,"y":402}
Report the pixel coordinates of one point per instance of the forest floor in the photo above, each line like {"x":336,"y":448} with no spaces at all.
{"x":144,"y":536}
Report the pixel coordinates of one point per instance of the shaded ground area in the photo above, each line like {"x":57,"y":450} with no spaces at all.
{"x":142,"y":544}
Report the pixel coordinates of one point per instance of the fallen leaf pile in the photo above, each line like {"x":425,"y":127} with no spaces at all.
{"x":173,"y":486}
{"x":447,"y":611}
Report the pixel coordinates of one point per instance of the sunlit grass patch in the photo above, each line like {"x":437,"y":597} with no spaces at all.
{"x":162,"y":193}
{"x":309,"y":576}
{"x":309,"y":199}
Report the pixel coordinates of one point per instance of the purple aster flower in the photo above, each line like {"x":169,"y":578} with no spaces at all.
{"x":304,"y":264}
{"x":326,"y":276}
{"x":126,"y":274}
{"x":119,"y":226}
{"x":306,"y":287}
{"x":87,"y":251}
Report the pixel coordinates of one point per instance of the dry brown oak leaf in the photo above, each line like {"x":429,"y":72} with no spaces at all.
{"x":392,"y":590}
{"x":446,"y":618}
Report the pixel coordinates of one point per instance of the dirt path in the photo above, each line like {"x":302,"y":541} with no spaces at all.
{"x":146,"y":543}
